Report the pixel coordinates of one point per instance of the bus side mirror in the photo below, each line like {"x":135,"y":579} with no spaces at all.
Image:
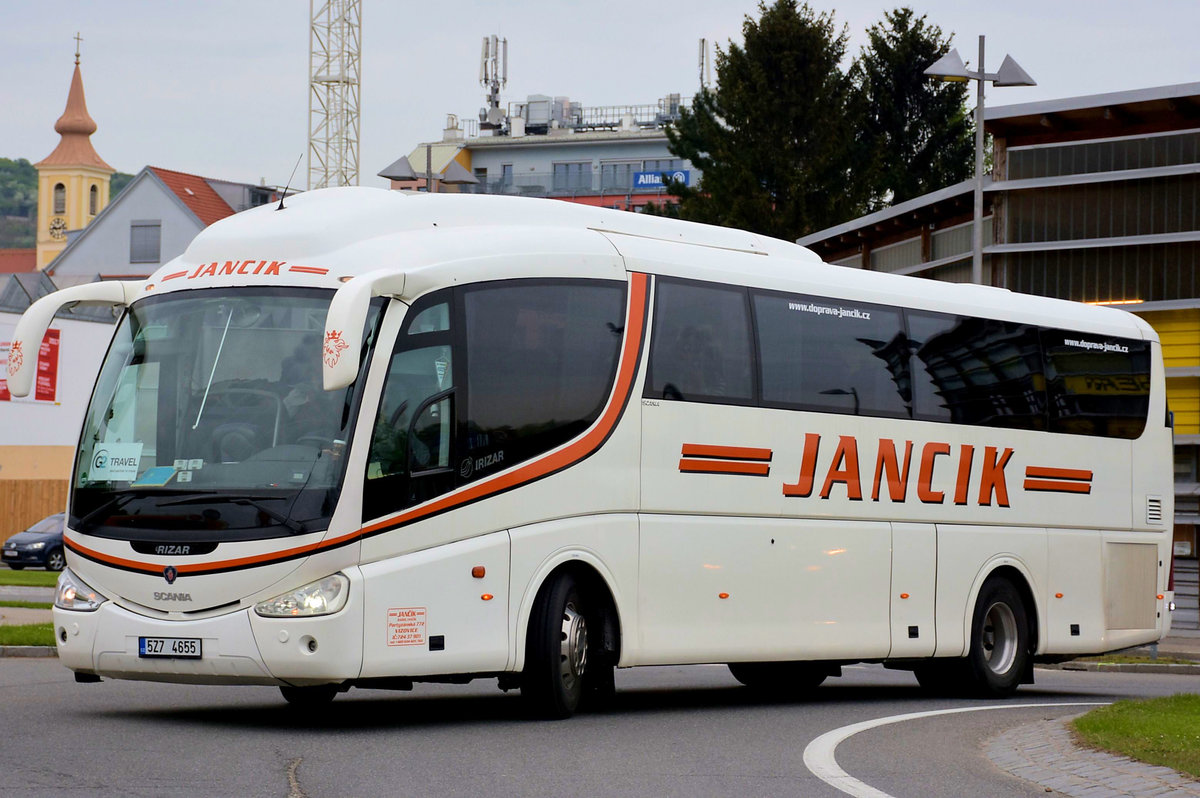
{"x":32,"y":326}
{"x":344,"y":322}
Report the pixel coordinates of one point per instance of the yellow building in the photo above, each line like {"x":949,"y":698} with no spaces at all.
{"x":73,"y":180}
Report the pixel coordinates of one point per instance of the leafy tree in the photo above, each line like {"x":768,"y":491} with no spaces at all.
{"x":117,"y":183}
{"x":777,"y":139}
{"x":918,"y":130}
{"x":18,"y":188}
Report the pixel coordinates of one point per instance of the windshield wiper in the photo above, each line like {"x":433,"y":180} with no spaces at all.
{"x":115,"y":503}
{"x":239,"y":498}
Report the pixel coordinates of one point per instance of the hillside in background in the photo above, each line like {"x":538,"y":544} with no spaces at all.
{"x":18,"y":202}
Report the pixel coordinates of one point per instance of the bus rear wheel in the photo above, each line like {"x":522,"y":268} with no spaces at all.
{"x":999,"y":653}
{"x":789,"y":678}
{"x":556,"y":651}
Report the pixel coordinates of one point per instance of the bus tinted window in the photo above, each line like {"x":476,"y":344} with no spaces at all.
{"x":540,"y":362}
{"x":982,"y":371}
{"x":825,"y":354}
{"x":701,"y":348}
{"x":1097,"y":385}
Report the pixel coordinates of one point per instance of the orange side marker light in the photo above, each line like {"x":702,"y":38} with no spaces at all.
{"x":723,"y":595}
{"x":1161,"y":597}
{"x":487,"y":597}
{"x":903,"y":595}
{"x":478,"y":572}
{"x":1058,"y":595}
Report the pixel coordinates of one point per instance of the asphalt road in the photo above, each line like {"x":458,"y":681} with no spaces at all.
{"x":689,"y":731}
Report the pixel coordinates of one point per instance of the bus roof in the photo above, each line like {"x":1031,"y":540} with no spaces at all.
{"x":325,"y":237}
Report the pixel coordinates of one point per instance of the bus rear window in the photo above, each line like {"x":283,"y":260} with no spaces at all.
{"x":1097,"y":385}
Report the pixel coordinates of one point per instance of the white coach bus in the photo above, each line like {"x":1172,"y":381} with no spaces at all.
{"x":374,"y":438}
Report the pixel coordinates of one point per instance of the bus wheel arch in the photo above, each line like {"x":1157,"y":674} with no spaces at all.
{"x":1001,"y":632}
{"x":1002,"y":642}
{"x":571,"y":632}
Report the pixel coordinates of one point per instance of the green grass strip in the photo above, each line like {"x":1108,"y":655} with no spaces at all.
{"x":27,"y":605}
{"x":28,"y":578}
{"x":1122,"y":659}
{"x":1161,"y":731}
{"x":33,"y":634}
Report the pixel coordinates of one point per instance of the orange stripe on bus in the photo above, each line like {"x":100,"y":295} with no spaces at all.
{"x":1060,"y":487}
{"x":571,"y":453}
{"x":725,"y":467}
{"x":1058,"y":473}
{"x":725,"y":452}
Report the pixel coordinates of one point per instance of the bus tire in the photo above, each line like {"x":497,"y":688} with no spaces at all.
{"x":999,"y":651}
{"x":556,"y":651}
{"x":309,"y":697}
{"x":789,"y":678}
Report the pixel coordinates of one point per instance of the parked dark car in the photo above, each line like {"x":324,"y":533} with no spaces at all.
{"x":41,"y":546}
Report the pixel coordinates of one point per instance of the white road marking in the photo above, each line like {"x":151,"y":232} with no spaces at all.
{"x":819,"y":755}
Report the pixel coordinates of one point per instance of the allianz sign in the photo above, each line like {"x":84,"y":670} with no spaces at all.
{"x":655,"y":179}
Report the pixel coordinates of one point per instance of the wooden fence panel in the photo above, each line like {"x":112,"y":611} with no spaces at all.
{"x":24,"y":502}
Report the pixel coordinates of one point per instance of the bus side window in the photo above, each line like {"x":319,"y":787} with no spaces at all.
{"x":832,"y":355}
{"x":984,"y":372}
{"x":701,"y":347}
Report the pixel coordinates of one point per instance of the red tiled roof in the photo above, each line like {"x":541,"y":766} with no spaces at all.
{"x":13,"y":261}
{"x":196,"y":193}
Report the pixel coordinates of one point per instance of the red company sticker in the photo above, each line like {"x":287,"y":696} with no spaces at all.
{"x":15,"y":358}
{"x":334,"y":346}
{"x":406,"y":626}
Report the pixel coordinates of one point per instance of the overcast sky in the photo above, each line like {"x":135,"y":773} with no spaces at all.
{"x":220,"y":88}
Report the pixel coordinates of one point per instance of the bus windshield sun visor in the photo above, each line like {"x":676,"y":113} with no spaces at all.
{"x":27,"y":337}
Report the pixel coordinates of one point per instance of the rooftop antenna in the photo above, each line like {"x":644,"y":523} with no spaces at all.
{"x":705,"y":73}
{"x":289,"y":182}
{"x":493,"y":76}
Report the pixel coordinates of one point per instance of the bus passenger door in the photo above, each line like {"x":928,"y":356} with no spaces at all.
{"x":914,"y":579}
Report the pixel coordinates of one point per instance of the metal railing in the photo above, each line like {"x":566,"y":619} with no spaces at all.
{"x":546,"y":184}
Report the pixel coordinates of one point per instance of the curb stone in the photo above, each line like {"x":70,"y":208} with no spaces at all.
{"x":1125,"y":667}
{"x":1045,"y":753}
{"x":28,"y":651}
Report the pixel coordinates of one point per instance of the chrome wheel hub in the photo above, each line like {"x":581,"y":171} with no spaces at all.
{"x":999,"y":638}
{"x":573,"y":652}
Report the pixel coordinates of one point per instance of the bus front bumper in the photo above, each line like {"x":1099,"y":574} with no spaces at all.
{"x":235,"y":648}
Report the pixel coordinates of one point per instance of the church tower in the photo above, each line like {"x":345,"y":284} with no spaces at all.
{"x":73,"y":180}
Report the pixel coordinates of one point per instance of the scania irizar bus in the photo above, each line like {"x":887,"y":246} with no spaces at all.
{"x":375,"y":438}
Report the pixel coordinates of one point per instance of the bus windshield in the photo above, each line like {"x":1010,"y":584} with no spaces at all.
{"x":209,"y":420}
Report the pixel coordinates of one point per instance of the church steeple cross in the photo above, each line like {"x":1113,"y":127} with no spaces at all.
{"x":78,"y":40}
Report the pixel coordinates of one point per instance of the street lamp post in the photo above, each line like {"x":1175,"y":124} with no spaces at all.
{"x":951,"y":67}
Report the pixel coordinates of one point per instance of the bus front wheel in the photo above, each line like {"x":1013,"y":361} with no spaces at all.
{"x":556,"y":651}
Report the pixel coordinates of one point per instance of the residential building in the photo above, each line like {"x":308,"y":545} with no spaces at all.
{"x":153,"y":220}
{"x":612,"y":156}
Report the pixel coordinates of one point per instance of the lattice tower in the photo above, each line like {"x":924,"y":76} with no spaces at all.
{"x":334,"y":66}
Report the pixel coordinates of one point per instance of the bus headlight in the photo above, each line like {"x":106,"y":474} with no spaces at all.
{"x":323,"y":597}
{"x":73,"y":594}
